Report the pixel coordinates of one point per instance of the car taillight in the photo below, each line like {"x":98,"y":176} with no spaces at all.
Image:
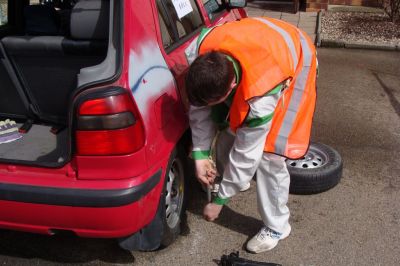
{"x":109,"y":126}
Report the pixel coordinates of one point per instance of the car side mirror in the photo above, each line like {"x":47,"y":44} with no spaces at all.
{"x":216,"y":6}
{"x":236,"y":3}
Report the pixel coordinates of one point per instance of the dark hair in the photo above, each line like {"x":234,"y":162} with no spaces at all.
{"x":209,"y":78}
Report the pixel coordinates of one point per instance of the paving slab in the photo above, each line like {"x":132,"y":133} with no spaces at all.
{"x":273,"y":14}
{"x":308,"y":14}
{"x":307,"y":21}
{"x":309,"y":30}
{"x":255,"y":13}
{"x":311,"y":35}
{"x":290,"y":16}
{"x":292,"y":22}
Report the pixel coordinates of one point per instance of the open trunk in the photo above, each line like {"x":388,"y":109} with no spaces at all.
{"x":62,"y":47}
{"x":39,"y":145}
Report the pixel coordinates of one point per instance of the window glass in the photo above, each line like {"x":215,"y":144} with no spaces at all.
{"x":166,"y":32}
{"x":214,"y":8}
{"x":178,"y":18}
{"x":3,"y":12}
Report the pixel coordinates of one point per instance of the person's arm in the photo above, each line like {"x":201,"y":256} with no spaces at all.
{"x":203,"y":132}
{"x":246,"y":152}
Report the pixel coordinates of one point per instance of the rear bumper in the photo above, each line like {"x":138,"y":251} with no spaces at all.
{"x":78,"y":197}
{"x":87,"y":213}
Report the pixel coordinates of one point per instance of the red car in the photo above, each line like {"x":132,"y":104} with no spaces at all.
{"x":96,"y":90}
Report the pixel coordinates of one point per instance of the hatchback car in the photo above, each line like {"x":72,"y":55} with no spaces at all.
{"x":96,"y":90}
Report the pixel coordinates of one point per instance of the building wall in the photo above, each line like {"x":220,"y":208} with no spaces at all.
{"x":354,"y":2}
{"x":315,"y":5}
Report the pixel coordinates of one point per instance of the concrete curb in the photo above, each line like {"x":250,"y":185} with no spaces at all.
{"x":318,"y":31}
{"x":332,"y":43}
{"x":358,"y":45}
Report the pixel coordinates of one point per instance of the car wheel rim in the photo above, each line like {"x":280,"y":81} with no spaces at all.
{"x":315,"y":158}
{"x":174,"y":193}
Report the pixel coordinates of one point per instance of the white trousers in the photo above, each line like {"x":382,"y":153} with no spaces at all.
{"x":272,"y":179}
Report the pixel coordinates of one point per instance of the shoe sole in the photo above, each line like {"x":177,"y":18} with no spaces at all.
{"x":270,"y":248}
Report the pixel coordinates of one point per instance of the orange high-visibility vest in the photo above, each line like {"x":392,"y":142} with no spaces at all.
{"x":271,"y":51}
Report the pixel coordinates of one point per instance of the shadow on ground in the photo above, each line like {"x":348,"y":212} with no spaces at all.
{"x":60,"y":249}
{"x":228,"y":218}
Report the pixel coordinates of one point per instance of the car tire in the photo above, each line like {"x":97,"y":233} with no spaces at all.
{"x":174,"y":197}
{"x":164,"y":228}
{"x":318,"y":171}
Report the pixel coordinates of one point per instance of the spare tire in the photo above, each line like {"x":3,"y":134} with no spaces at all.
{"x":318,"y":171}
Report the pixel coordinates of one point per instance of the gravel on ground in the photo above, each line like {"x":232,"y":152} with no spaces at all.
{"x":363,"y":27}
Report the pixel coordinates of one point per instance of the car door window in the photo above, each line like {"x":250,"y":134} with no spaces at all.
{"x":178,"y":19}
{"x":166,"y":33}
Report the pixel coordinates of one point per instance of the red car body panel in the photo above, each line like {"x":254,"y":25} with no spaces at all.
{"x":122,"y":192}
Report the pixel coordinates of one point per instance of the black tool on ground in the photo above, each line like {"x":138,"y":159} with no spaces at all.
{"x":234,"y":260}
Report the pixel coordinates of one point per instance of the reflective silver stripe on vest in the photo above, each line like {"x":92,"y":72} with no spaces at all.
{"x":285,"y":36}
{"x":293,"y":108}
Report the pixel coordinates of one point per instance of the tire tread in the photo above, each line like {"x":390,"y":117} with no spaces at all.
{"x":317,"y":180}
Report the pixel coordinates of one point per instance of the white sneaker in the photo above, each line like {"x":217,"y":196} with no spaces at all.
{"x":245,"y":187}
{"x":266,"y":239}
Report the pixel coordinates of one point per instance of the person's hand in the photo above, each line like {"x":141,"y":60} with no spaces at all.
{"x":211,"y":211}
{"x":205,"y":172}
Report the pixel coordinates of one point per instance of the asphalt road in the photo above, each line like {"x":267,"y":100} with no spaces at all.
{"x":356,"y":223}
